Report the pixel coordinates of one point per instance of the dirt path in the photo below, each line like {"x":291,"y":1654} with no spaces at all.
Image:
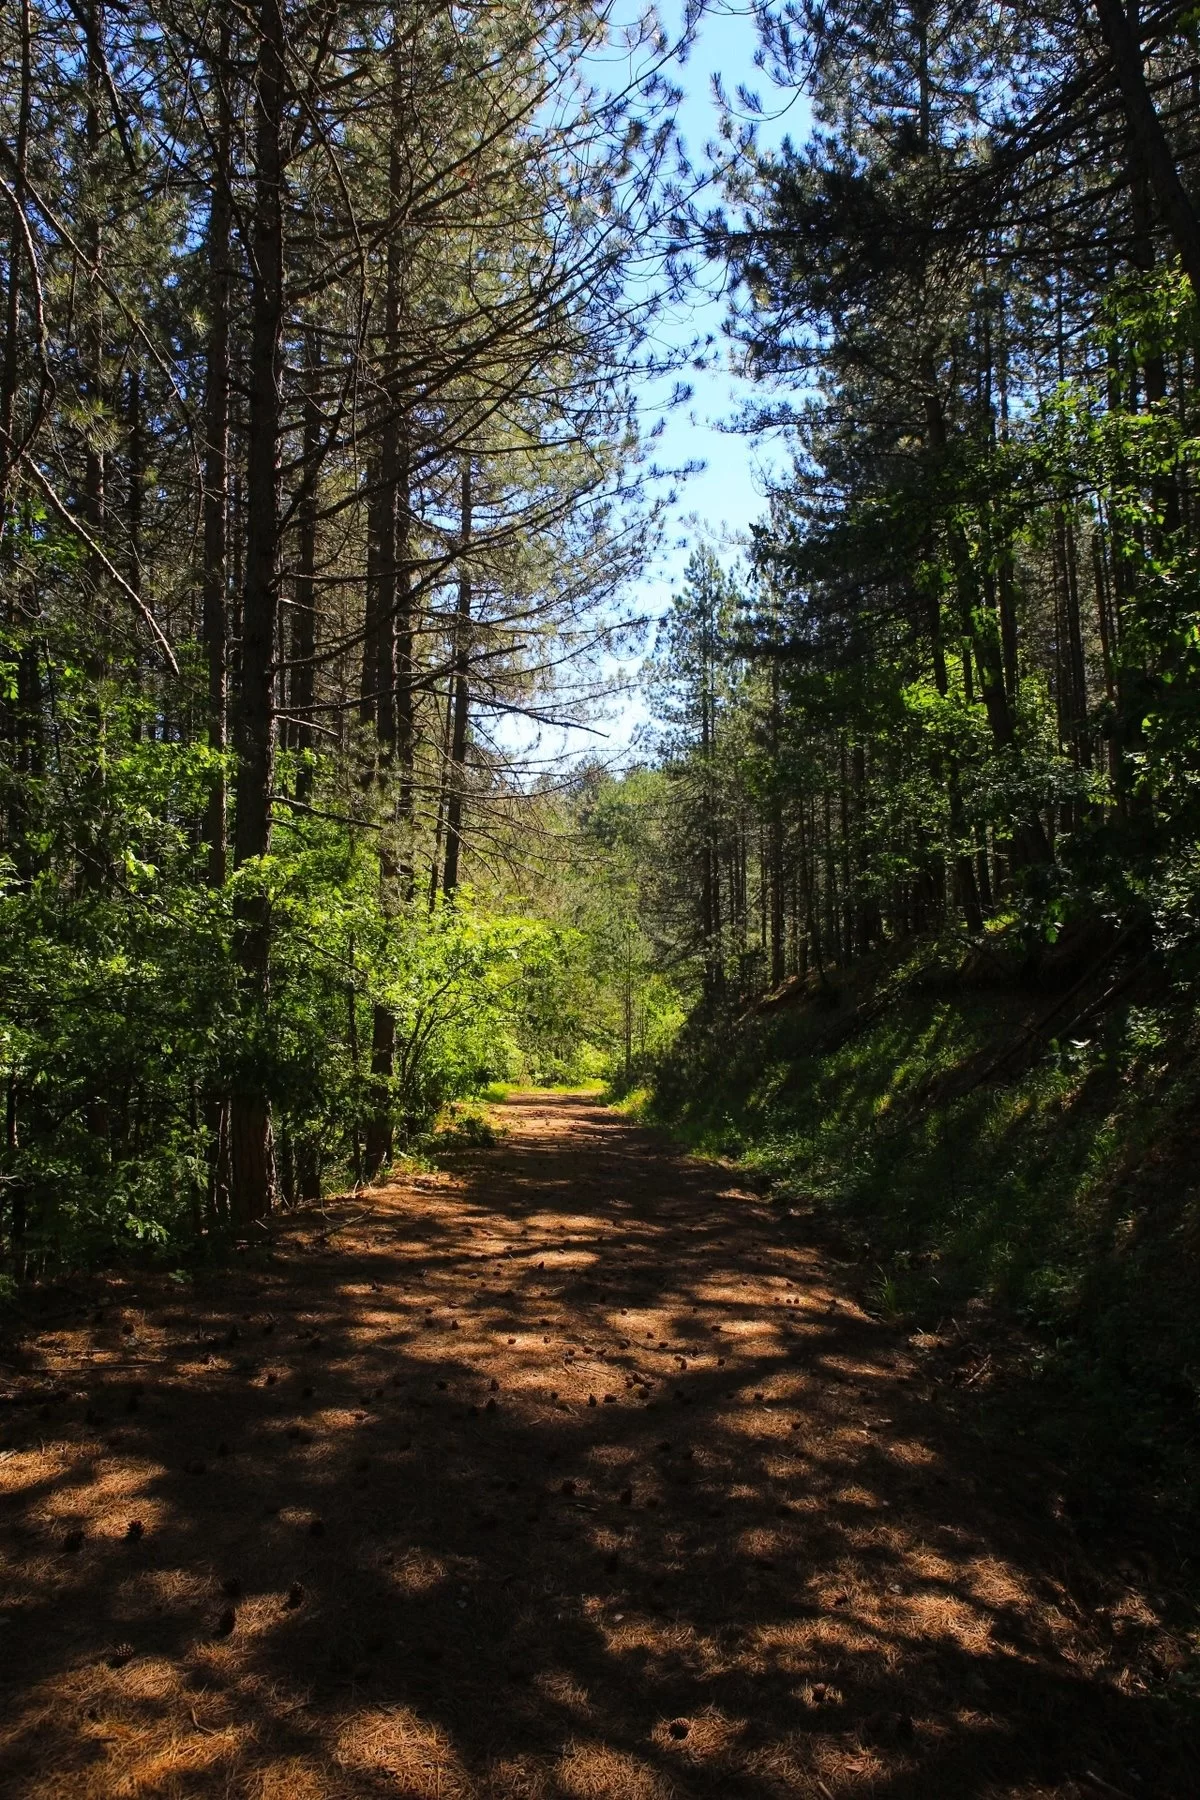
{"x":564,"y":1473}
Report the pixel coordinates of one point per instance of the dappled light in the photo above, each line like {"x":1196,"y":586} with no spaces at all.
{"x":565,"y":1471}
{"x":598,"y":1193}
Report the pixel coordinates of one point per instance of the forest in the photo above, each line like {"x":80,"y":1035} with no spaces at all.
{"x":321,"y":479}
{"x":325,"y":500}
{"x":445,"y":887}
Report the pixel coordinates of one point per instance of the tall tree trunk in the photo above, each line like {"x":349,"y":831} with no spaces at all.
{"x":833,"y":935}
{"x":393,"y":655}
{"x":445,"y":734}
{"x":1122,"y":36}
{"x":135,"y":497}
{"x":1002,"y":531}
{"x":1079,"y":695}
{"x":379,"y":1133}
{"x":847,"y":885}
{"x":462,"y":699}
{"x":214,"y":584}
{"x":1153,"y":364}
{"x":945,"y":770}
{"x":94,"y":868}
{"x":404,"y":670}
{"x":135,"y":500}
{"x":16,"y":256}
{"x":93,"y":335}
{"x":981,"y":635}
{"x":303,"y":685}
{"x":29,"y":731}
{"x":774,"y":873}
{"x":253,"y":1179}
{"x":405,"y":673}
{"x":368,"y":687}
{"x":1104,"y":618}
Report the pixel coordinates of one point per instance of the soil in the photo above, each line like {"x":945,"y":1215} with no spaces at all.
{"x":563,"y":1473}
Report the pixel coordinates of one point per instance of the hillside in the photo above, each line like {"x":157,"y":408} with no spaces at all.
{"x":1006,"y":1150}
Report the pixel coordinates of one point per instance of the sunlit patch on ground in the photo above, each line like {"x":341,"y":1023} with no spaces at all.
{"x":558,"y":1475}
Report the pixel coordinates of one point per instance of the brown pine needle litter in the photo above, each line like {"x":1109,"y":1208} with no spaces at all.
{"x":783,"y":1571}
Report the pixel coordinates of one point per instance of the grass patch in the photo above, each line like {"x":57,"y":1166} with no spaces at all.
{"x":632,"y":1103}
{"x":464,"y":1124}
{"x":596,"y":1087}
{"x":1059,"y":1191}
{"x":496,"y":1092}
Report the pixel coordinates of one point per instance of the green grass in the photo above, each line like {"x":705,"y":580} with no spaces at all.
{"x":1064,"y":1198}
{"x":467,"y":1121}
{"x":631,"y":1103}
{"x":496,"y":1092}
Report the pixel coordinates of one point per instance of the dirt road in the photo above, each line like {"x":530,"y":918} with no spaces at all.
{"x":567,"y":1473}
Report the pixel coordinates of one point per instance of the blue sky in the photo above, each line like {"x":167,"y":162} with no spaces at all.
{"x":727,"y":495}
{"x":727,"y":492}
{"x":721,"y":500}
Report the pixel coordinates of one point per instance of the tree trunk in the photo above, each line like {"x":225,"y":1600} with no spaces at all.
{"x":215,"y":623}
{"x":946,"y":770}
{"x":250,"y":1136}
{"x":405,"y":677}
{"x":302,"y":697}
{"x":215,"y":573}
{"x":378,"y":1147}
{"x":775,"y":877}
{"x":445,"y":735}
{"x":394,"y":639}
{"x":94,"y":869}
{"x":981,"y":635}
{"x":461,"y":691}
{"x":1146,"y":130}
{"x":16,"y":256}
{"x":369,"y":682}
{"x":404,"y":671}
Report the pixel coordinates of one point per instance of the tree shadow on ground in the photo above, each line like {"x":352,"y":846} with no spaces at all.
{"x":559,"y":1473}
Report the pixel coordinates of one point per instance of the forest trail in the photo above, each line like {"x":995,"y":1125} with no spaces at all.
{"x":564,"y":1473}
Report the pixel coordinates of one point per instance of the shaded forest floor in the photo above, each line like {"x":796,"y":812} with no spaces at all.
{"x":570,"y":1471}
{"x":1006,"y":1152}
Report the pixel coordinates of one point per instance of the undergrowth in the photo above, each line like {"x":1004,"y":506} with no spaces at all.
{"x":1058,"y":1189}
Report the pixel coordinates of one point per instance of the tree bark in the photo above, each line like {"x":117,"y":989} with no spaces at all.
{"x":16,"y":256}
{"x":250,"y":1137}
{"x":1146,"y":129}
{"x":302,"y":697}
{"x":461,"y":702}
{"x":946,"y":770}
{"x":215,"y":622}
{"x":982,"y":640}
{"x":379,"y":1133}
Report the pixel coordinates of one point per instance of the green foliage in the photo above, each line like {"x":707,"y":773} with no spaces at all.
{"x":1063,"y":1195}
{"x":608,"y":1001}
{"x":115,"y":991}
{"x":273,"y":592}
{"x":122,"y":1023}
{"x":1137,"y":462}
